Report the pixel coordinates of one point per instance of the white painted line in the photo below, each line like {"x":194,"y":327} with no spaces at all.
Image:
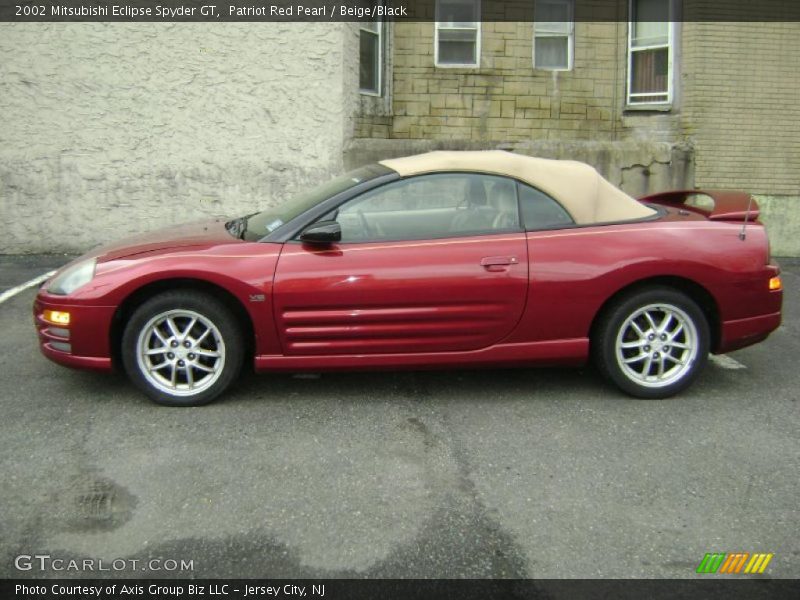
{"x":24,"y":286}
{"x":726,"y":362}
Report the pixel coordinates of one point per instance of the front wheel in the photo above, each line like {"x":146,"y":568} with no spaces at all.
{"x":182,"y":348}
{"x":652,"y":343}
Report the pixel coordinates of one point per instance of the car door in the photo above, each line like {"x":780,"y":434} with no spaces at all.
{"x":433,"y":263}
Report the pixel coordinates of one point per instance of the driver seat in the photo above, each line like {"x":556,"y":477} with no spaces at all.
{"x":476,"y":215}
{"x":504,"y":199}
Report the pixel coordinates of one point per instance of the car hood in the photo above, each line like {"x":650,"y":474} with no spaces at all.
{"x":202,"y":233}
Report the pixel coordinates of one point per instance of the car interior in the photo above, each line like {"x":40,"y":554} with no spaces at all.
{"x":447,"y":205}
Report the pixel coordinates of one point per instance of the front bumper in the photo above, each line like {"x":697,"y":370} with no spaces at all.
{"x":84,"y":343}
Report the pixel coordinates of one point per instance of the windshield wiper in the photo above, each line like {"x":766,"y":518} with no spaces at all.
{"x":237,"y":227}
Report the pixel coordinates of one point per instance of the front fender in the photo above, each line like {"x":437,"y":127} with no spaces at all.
{"x":245,"y":275}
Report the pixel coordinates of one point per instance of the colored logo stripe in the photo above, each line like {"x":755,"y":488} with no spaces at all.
{"x":758,"y":563}
{"x":733,"y":562}
{"x":710,"y":563}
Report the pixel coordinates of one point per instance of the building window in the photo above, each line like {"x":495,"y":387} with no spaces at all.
{"x":553,"y":35}
{"x":650,"y":37}
{"x":458,"y":33}
{"x":371,"y":57}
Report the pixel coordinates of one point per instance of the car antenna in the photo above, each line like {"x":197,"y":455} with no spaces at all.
{"x":742,"y":234}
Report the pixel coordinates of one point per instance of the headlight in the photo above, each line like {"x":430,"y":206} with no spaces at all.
{"x":73,"y":278}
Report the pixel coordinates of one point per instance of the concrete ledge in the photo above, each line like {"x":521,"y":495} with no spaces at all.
{"x":639,"y":167}
{"x":781,"y":216}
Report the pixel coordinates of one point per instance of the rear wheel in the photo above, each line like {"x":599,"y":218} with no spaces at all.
{"x":182,"y":348}
{"x":652,"y":343}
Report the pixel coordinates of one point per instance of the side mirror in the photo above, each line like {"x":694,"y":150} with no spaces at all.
{"x":323,"y":232}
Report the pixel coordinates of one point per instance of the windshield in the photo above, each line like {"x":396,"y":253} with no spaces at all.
{"x":260,"y":224}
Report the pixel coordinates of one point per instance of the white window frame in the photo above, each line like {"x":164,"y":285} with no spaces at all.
{"x":379,"y":33}
{"x":570,"y":35}
{"x":670,"y":46}
{"x":476,"y":27}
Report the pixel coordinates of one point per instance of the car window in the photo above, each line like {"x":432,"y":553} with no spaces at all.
{"x":431,"y":206}
{"x":260,"y":224}
{"x":540,"y":211}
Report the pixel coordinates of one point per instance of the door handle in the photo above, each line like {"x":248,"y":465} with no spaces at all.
{"x":496,"y":263}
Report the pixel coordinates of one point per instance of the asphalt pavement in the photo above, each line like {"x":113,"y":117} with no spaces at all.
{"x":540,"y":473}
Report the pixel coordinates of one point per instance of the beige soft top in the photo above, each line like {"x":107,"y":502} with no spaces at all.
{"x":578,"y":187}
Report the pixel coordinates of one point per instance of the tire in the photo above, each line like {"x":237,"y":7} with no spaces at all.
{"x":652,"y":343}
{"x":202,"y":343}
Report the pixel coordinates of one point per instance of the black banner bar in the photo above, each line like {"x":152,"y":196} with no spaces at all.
{"x":220,"y":11}
{"x":708,"y":588}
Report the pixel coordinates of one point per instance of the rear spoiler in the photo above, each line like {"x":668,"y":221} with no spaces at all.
{"x":729,"y":205}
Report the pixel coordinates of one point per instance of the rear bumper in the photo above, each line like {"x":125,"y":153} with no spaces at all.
{"x":761,"y":303}
{"x":745,"y":332}
{"x":83,"y":343}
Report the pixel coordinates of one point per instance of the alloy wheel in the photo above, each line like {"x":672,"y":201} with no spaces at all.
{"x":180,"y":352}
{"x":657,"y":345}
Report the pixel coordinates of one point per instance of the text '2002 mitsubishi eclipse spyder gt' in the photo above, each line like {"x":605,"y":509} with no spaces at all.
{"x":445,"y":259}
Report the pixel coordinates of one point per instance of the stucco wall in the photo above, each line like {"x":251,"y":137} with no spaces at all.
{"x":111,"y":129}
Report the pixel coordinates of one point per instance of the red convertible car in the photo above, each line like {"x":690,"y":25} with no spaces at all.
{"x":446,"y":259}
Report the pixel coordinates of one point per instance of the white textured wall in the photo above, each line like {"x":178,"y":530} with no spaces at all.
{"x":111,"y":129}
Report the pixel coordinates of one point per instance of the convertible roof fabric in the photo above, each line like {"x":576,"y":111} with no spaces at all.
{"x":577,"y":186}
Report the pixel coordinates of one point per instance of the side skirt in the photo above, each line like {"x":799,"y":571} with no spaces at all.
{"x":572,"y":352}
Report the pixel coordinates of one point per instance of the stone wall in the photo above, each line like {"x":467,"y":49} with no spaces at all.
{"x":740,"y":111}
{"x":506,"y":103}
{"x":734,"y":121}
{"x":112,"y":129}
{"x":504,"y":99}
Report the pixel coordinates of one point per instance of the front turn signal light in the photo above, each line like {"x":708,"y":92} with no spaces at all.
{"x":775,"y":284}
{"x":56,"y":317}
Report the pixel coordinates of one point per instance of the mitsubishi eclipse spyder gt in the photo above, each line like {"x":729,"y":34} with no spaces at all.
{"x":445,"y":259}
